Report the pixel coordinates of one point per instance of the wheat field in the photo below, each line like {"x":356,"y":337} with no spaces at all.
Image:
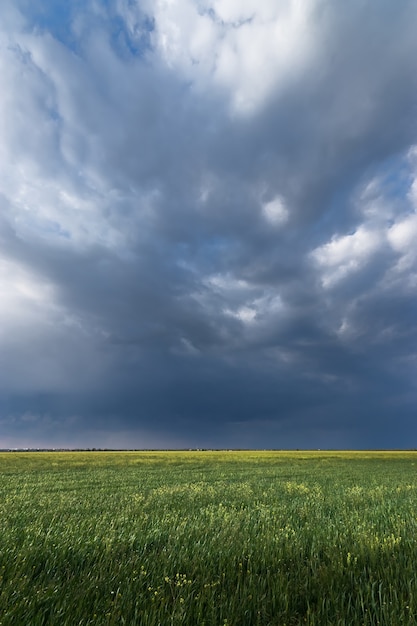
{"x":208,"y":538}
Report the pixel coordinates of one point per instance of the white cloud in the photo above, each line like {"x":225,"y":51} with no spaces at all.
{"x":275,"y":212}
{"x":57,"y":130}
{"x":226,"y":283}
{"x":259,"y":312}
{"x":345,"y":255}
{"x":403,"y":235}
{"x":26,"y":299}
{"x":247,"y":49}
{"x":246,"y":314}
{"x":236,"y":11}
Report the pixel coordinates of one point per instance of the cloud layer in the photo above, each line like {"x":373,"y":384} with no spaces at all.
{"x":208,"y":216}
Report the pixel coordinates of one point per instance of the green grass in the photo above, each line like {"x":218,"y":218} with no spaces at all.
{"x":236,"y":538}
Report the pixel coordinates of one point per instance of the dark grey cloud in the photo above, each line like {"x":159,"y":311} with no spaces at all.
{"x":207,"y":230}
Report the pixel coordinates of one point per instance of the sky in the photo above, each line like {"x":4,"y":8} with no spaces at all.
{"x":208,"y":223}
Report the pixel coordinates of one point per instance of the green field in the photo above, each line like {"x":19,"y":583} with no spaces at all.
{"x":214,"y":538}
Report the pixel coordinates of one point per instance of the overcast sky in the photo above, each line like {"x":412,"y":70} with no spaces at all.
{"x":208,"y":223}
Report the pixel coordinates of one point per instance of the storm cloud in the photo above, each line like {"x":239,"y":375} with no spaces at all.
{"x":208,"y":223}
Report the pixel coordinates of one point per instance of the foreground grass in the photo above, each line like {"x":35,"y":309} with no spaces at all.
{"x":233,"y":538}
